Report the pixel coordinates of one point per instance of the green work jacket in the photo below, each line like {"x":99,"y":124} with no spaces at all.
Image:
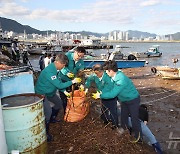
{"x":123,"y":88}
{"x":102,"y":84}
{"x":48,"y":81}
{"x":72,"y":67}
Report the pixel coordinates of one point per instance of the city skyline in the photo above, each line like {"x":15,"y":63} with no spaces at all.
{"x":101,"y":16}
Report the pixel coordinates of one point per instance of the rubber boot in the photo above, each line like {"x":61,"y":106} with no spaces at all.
{"x":49,"y":136}
{"x":54,"y":115}
{"x":157,"y":148}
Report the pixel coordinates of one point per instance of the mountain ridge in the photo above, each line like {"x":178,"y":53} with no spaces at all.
{"x":12,"y":25}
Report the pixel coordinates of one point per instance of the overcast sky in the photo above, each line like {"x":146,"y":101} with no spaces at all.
{"x":154,"y":16}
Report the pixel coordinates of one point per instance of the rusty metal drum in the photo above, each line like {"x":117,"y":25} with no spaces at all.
{"x":24,"y":122}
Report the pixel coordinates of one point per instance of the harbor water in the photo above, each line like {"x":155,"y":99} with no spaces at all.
{"x":169,"y":51}
{"x":24,"y":122}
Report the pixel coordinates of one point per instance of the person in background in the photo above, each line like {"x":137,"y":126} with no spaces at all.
{"x":53,"y":58}
{"x":109,"y":106}
{"x":14,"y":51}
{"x":25,"y":55}
{"x":41,"y":61}
{"x":5,"y":51}
{"x":127,"y":94}
{"x":18,"y":52}
{"x":47,"y":85}
{"x":47,"y":60}
{"x":75,"y":65}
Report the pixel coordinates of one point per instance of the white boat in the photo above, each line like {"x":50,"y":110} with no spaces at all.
{"x":36,"y":50}
{"x":151,"y":52}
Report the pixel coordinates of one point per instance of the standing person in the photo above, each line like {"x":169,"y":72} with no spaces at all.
{"x":53,"y":58}
{"x":103,"y":82}
{"x":18,"y":52}
{"x":127,"y":94}
{"x":47,"y":60}
{"x":25,"y":55}
{"x":41,"y":61}
{"x":47,"y":85}
{"x":14,"y":51}
{"x":75,"y":65}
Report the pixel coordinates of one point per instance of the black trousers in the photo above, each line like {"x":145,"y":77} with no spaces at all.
{"x":131,"y":108}
{"x":64,"y":97}
{"x":64,"y":100}
{"x":109,"y":111}
{"x":48,"y":109}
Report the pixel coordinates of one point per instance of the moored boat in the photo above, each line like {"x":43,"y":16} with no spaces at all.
{"x":122,"y":60}
{"x":151,"y":52}
{"x":120,"y":63}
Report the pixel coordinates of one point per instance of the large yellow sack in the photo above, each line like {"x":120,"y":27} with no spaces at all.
{"x":77,"y":108}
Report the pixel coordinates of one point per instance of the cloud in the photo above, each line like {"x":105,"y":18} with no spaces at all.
{"x":109,"y":11}
{"x":150,"y":3}
{"x":6,"y":1}
{"x":118,"y":13}
{"x":168,"y":22}
{"x":24,"y":1}
{"x":12,"y":9}
{"x":112,"y":11}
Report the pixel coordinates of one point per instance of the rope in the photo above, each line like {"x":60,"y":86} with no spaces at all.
{"x":157,"y":93}
{"x":160,"y":98}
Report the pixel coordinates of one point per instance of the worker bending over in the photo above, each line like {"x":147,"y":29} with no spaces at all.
{"x":103,"y":83}
{"x":75,"y":65}
{"x":127,"y":94}
{"x":47,"y":85}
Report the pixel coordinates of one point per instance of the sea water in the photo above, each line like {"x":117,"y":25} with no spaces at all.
{"x":169,"y":51}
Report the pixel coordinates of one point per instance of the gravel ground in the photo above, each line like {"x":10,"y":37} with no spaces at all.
{"x":162,"y":98}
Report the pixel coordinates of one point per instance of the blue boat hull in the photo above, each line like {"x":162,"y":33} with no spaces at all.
{"x":120,"y":63}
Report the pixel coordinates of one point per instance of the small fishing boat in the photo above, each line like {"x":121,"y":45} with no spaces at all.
{"x":36,"y":50}
{"x":153,"y":51}
{"x":120,"y":63}
{"x":117,"y":55}
{"x":42,"y":50}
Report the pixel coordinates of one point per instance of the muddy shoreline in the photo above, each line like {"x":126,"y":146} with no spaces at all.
{"x":162,"y":98}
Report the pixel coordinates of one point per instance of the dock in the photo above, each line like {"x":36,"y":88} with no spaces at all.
{"x":89,"y":46}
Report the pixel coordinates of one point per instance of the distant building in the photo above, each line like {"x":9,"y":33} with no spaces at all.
{"x":115,"y":34}
{"x":78,"y":37}
{"x":120,"y":35}
{"x":127,"y":36}
{"x":91,"y":42}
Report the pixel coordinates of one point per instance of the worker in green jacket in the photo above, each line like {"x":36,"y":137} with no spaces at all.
{"x":103,"y":83}
{"x":127,"y":94}
{"x":75,"y":65}
{"x":47,"y":85}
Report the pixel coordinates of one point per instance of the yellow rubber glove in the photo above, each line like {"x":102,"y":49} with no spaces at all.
{"x":67,"y":94}
{"x":70,"y":75}
{"x":76,"y":80}
{"x":81,"y":87}
{"x":96,"y":95}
